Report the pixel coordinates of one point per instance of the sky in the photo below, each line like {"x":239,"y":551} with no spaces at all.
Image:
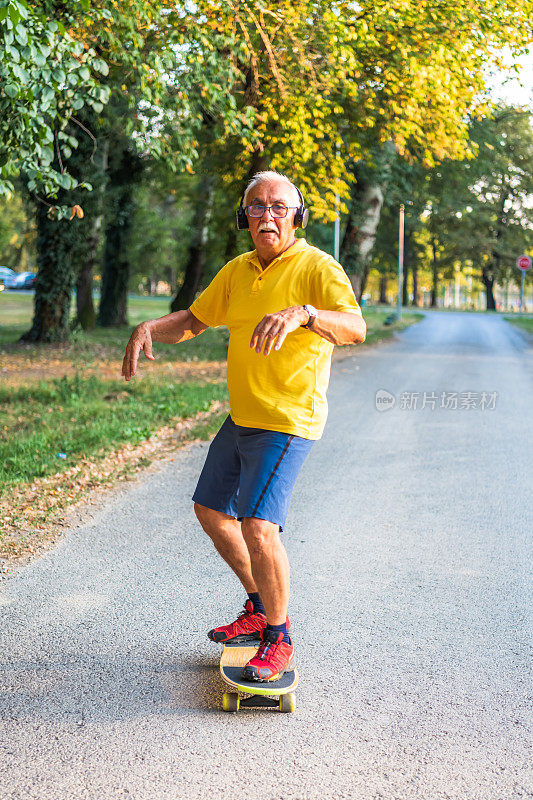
{"x":514,"y":90}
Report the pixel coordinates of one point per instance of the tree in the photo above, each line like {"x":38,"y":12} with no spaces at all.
{"x":419,"y":82}
{"x":46,"y":76}
{"x":139,"y":40}
{"x":478,"y":212}
{"x":496,"y":223}
{"x":124,"y":170}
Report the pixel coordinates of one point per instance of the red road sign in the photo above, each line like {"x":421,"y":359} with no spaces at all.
{"x":523,"y":262}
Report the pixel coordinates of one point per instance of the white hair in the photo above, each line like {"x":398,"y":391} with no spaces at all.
{"x":267,"y":175}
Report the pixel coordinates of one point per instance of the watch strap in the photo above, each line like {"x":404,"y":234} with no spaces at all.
{"x":312,"y":316}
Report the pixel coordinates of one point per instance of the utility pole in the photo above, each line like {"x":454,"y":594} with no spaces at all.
{"x":337,"y":233}
{"x":337,"y":229}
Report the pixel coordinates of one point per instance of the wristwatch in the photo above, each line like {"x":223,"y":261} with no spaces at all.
{"x":311,"y":310}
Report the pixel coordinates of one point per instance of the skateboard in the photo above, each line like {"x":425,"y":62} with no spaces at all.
{"x":253,"y":694}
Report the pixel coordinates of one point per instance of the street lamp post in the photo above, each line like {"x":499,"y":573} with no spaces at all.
{"x":337,"y":229}
{"x":400,"y":262}
{"x":337,"y":232}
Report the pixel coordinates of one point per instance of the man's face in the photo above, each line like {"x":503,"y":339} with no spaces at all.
{"x":272,"y":235}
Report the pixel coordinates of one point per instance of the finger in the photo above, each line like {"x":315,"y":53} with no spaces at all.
{"x":262,"y":341}
{"x":133,"y":360}
{"x":268,"y":346}
{"x":126,"y":364}
{"x":271,"y":337}
{"x":255,"y":334}
{"x":281,"y":339}
{"x":258,"y":339}
{"x":147,"y":347}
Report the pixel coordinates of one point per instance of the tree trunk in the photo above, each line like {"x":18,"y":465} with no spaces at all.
{"x":370,"y":180}
{"x":195,"y":266}
{"x":125,"y":168}
{"x":86,"y":315}
{"x":360,"y":233}
{"x":383,"y":281}
{"x":230,"y":251}
{"x":62,"y":245}
{"x":435,"y":275}
{"x":487,"y":276}
{"x":405,"y":293}
{"x":491,"y":269}
{"x":406,"y":268}
{"x":55,"y":278}
{"x":416,"y":301}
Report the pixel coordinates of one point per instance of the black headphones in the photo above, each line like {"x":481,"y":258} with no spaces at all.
{"x":300,"y":218}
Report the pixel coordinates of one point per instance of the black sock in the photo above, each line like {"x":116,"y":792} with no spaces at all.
{"x":256,"y":600}
{"x":280,"y":629}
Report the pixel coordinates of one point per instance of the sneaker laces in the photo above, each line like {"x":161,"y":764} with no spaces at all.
{"x":264,"y":649}
{"x":244,"y":613}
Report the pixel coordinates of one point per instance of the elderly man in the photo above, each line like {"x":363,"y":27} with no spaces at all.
{"x":286,"y":304}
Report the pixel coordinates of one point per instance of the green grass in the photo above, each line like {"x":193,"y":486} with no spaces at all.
{"x":526,"y":323}
{"x":83,"y":416}
{"x":375,"y":319}
{"x":15,"y":309}
{"x":16,"y":312}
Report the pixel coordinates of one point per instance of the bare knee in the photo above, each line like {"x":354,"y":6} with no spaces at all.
{"x":259,"y":535}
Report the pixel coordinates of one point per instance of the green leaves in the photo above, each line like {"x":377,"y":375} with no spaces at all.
{"x":100,"y":66}
{"x":11,"y":89}
{"x":21,"y":35}
{"x":46,"y":76}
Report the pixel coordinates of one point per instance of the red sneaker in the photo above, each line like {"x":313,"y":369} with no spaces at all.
{"x":246,"y":624}
{"x":273,"y":658}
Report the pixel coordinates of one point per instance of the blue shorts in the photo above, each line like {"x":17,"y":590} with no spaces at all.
{"x":250,"y":472}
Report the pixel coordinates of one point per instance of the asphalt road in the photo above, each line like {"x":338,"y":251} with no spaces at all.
{"x":411,"y":608}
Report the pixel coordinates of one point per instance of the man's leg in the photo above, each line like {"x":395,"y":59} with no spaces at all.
{"x":269,"y":566}
{"x":270,"y":569}
{"x":226,"y":534}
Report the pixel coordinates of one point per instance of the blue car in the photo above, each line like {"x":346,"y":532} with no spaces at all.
{"x":21,"y":280}
{"x":5,"y":273}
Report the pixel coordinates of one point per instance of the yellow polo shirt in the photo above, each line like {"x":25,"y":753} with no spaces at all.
{"x":286,"y":390}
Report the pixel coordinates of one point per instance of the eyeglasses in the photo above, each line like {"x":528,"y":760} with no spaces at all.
{"x":277,"y":210}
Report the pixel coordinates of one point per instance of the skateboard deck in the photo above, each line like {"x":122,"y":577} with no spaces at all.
{"x":253,"y":694}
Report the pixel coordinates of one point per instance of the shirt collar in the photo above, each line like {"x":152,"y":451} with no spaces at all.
{"x":298,"y":246}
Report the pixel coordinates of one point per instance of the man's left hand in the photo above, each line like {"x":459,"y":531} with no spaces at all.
{"x":272,"y":330}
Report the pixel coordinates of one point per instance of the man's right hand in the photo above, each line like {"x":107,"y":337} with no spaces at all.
{"x":140,"y":339}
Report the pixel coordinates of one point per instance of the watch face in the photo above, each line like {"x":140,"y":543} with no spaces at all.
{"x":311,"y":310}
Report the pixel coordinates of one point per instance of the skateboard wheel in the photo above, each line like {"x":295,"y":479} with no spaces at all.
{"x":287,"y":702}
{"x":230,"y":701}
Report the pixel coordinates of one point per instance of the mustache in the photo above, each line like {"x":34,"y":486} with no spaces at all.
{"x":265,"y":227}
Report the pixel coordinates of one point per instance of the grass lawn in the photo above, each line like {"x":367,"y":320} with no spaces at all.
{"x":16,"y":311}
{"x":48,"y":426}
{"x":526,"y":323}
